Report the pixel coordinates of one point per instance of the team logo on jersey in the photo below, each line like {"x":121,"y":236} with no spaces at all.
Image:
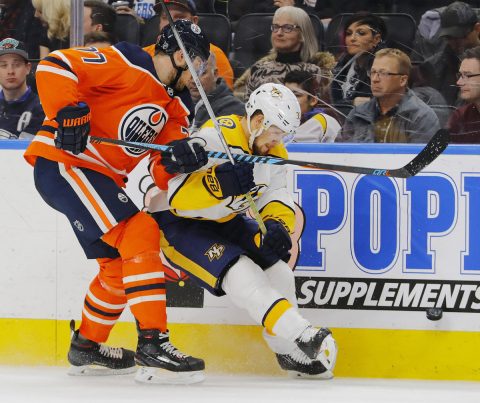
{"x":226,"y":122}
{"x":78,"y":225}
{"x":215,"y":252}
{"x":122,"y":197}
{"x":142,"y":124}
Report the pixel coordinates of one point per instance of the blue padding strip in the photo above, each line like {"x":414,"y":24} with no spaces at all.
{"x":362,"y":148}
{"x":14,"y":144}
{"x":323,"y":148}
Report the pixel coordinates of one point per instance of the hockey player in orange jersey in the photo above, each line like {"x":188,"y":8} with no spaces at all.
{"x":120,"y":92}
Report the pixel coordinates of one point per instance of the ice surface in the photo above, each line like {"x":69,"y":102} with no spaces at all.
{"x":52,"y":384}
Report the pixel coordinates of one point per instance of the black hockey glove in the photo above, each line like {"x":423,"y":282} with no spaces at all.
{"x":73,"y":128}
{"x":276,"y":242}
{"x":233,"y":180}
{"x":187,"y":156}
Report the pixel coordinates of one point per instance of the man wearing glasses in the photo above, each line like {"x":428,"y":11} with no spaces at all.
{"x":464,"y":124}
{"x":394,"y":114}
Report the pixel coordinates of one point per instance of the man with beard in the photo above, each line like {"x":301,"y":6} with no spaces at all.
{"x":21,"y":114}
{"x":224,"y":252}
{"x":119,"y":92}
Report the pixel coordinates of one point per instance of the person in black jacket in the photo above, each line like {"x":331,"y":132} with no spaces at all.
{"x":21,"y":114}
{"x":364,"y":34}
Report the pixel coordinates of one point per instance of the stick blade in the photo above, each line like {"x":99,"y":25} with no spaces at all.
{"x":432,"y":150}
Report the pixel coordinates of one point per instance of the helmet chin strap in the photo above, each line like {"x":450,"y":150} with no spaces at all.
{"x":253,"y":134}
{"x":179,"y":69}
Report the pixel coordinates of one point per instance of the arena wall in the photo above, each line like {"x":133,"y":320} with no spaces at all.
{"x":376,"y":254}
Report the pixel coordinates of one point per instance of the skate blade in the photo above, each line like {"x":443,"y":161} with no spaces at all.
{"x":163,"y":376}
{"x":300,"y":375}
{"x":97,"y":370}
{"x":328,"y":353}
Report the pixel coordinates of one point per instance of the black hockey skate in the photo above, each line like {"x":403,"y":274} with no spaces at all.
{"x":298,"y":365}
{"x":318,"y":344}
{"x":90,"y":358}
{"x":162,"y":362}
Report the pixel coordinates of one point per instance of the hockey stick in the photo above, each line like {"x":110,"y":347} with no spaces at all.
{"x":211,"y":114}
{"x":432,"y":150}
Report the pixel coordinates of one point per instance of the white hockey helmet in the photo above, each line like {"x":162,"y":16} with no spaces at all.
{"x":279,"y":107}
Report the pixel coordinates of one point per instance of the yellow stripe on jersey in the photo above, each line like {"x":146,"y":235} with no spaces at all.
{"x":280,"y":212}
{"x":322,"y":120}
{"x":274,"y":313}
{"x":198,"y":271}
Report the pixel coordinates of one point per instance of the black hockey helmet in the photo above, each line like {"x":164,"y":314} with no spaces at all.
{"x":193,"y":38}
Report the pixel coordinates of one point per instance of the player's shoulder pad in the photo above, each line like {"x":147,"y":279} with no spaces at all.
{"x":136,"y":56}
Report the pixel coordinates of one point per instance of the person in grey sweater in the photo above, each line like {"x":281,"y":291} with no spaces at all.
{"x":394,"y":114}
{"x":221,"y":98}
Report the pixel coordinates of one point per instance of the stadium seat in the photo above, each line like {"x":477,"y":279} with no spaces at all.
{"x":150,"y":31}
{"x":252,"y":37}
{"x":401,"y":30}
{"x":127,"y":28}
{"x":218,"y":30}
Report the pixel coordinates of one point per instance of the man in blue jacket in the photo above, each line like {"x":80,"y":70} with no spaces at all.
{"x":21,"y":114}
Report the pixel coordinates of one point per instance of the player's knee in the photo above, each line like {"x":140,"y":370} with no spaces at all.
{"x":141,"y":235}
{"x":280,"y":272}
{"x":244,"y":279}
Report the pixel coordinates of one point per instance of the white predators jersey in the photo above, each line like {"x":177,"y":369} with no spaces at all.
{"x":320,"y":128}
{"x":187,"y":196}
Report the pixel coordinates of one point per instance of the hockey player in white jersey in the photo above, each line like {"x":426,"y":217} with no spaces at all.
{"x":206,"y":232}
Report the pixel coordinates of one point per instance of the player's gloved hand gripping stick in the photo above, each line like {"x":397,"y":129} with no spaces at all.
{"x":73,"y":128}
{"x":184,"y":156}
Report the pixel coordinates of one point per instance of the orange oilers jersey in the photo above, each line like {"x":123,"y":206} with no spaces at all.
{"x":127,"y":102}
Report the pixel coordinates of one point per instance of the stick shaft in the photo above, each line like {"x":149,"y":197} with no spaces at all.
{"x":432,"y":150}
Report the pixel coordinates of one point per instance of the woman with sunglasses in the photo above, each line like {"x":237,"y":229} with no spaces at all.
{"x":364,"y":34}
{"x":294,"y":47}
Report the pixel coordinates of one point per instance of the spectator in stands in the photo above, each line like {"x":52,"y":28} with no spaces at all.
{"x":186,"y":9}
{"x":461,"y":28}
{"x":99,"y":17}
{"x":394,"y":114}
{"x":55,"y":15}
{"x":316,"y":125}
{"x":221,"y":97}
{"x":464,"y":124}
{"x":364,"y":34}
{"x":17,"y":21}
{"x":141,"y":9}
{"x":98,"y":39}
{"x":21,"y":114}
{"x":294,"y":47}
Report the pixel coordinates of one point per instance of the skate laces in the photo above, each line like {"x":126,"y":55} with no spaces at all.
{"x":110,"y":352}
{"x":299,"y":356}
{"x":171,"y":349}
{"x":307,"y":334}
